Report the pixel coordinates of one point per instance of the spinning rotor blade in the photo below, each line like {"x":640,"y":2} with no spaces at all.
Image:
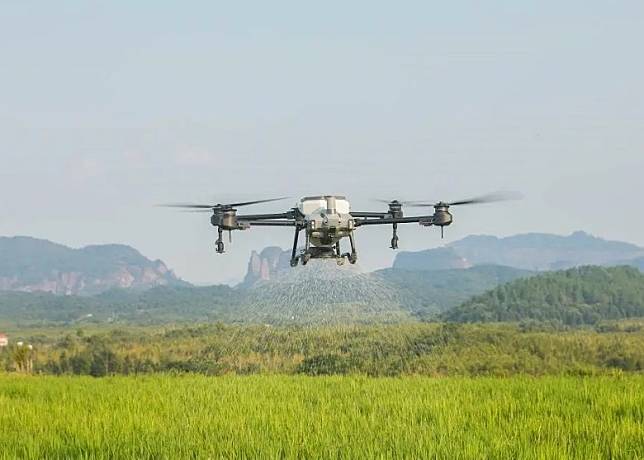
{"x":248,"y":203}
{"x":208,"y":207}
{"x":489,"y":198}
{"x":187,"y":206}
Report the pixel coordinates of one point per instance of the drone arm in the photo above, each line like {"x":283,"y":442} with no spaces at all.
{"x":256,"y":217}
{"x":423,"y":220}
{"x":270,"y":223}
{"x":380,"y":215}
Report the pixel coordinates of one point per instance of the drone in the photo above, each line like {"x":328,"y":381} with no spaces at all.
{"x":328,"y":219}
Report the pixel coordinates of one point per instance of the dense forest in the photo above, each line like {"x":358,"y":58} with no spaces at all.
{"x":432,"y":349}
{"x":583,"y":295}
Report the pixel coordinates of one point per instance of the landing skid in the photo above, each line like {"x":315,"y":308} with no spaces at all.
{"x":322,"y":252}
{"x":304,"y":258}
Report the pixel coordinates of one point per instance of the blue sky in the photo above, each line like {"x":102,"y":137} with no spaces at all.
{"x":110,"y":107}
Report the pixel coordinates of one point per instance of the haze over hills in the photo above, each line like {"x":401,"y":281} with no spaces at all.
{"x":34,"y":265}
{"x":321,"y":292}
{"x":424,"y":293}
{"x":30,"y":265}
{"x":531,"y":251}
{"x":308,"y":295}
{"x":116,"y":283}
{"x":526,"y":252}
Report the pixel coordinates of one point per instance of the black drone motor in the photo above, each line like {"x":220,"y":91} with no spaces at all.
{"x":442,"y":217}
{"x":224,"y":218}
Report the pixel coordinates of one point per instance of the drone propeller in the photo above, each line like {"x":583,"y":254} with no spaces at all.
{"x":192,"y":207}
{"x":489,"y":198}
{"x":400,"y":202}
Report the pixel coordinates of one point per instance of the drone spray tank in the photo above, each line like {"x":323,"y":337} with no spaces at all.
{"x":330,"y":205}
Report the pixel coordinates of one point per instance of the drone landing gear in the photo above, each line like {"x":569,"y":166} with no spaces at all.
{"x":339,"y":257}
{"x":321,"y":252}
{"x":294,"y":257}
{"x":394,"y":238}
{"x":220,"y":241}
{"x":352,"y":256}
{"x":306,"y":254}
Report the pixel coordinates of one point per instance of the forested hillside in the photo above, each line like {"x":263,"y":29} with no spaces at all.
{"x":163,"y":304}
{"x":307,"y":295}
{"x":576,"y":296}
{"x":428,"y":292}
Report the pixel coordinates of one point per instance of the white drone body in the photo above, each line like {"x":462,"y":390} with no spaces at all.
{"x":328,"y":219}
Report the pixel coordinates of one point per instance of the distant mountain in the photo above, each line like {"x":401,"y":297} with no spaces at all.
{"x":532,"y":251}
{"x":266,"y":265}
{"x":582,"y":295}
{"x":34,"y":265}
{"x":116,"y":283}
{"x":445,"y":258}
{"x":320,"y":293}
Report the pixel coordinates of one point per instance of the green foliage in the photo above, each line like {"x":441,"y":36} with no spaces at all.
{"x":392,"y":350}
{"x":321,"y":417}
{"x":325,"y":364}
{"x":576,"y":296}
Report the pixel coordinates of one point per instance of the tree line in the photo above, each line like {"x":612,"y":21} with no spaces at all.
{"x":435,"y":349}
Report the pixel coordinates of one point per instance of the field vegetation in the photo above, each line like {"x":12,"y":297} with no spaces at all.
{"x":321,"y":417}
{"x":431,"y":349}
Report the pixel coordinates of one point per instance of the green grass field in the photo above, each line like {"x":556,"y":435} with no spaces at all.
{"x":321,"y":417}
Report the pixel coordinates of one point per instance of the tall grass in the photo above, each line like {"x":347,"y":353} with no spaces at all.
{"x":327,"y":417}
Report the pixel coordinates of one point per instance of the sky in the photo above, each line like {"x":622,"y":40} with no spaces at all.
{"x":109,"y":108}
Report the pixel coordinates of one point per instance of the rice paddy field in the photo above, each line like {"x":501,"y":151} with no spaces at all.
{"x":272,"y":416}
